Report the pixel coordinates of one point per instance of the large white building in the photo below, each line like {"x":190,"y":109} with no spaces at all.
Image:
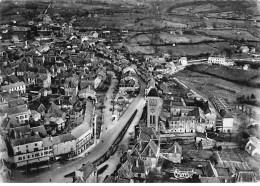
{"x":19,"y":86}
{"x":28,"y":150}
{"x":84,"y":132}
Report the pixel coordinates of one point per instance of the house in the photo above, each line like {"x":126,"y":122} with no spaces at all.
{"x":173,"y":154}
{"x":86,"y":174}
{"x":185,"y":124}
{"x":27,"y":150}
{"x":30,"y":78}
{"x":244,"y":49}
{"x":19,"y":86}
{"x":59,"y":122}
{"x":253,"y":147}
{"x":217,"y":60}
{"x":183,"y":61}
{"x":43,"y":78}
{"x":225,"y":112}
{"x":20,"y":132}
{"x":71,"y":86}
{"x":66,"y":144}
{"x":147,"y":148}
{"x":84,"y":132}
{"x":88,"y":92}
{"x":20,"y":113}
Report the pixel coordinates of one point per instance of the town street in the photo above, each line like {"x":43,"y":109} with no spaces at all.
{"x":57,"y":175}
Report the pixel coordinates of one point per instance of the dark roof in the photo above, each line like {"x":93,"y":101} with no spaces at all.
{"x":225,"y":114}
{"x":66,"y":137}
{"x":153,"y":93}
{"x":27,"y":140}
{"x":40,"y":129}
{"x":87,"y":169}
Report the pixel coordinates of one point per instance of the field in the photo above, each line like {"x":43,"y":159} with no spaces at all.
{"x":136,"y":49}
{"x":188,"y":50}
{"x":230,"y":74}
{"x":205,"y":84}
{"x":232,"y":34}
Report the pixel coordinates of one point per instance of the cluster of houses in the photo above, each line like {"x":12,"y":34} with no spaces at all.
{"x":48,"y":91}
{"x":159,"y":146}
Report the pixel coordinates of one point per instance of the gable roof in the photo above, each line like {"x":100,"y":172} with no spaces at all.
{"x":87,"y":169}
{"x":176,"y":148}
{"x":153,"y":93}
{"x":66,"y":137}
{"x":40,"y":129}
{"x":197,"y":112}
{"x":15,"y":110}
{"x":22,"y":141}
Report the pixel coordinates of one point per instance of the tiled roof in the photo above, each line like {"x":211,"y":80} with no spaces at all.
{"x":66,"y":137}
{"x":14,"y":85}
{"x":197,"y":112}
{"x":27,"y":140}
{"x":40,"y":129}
{"x":176,"y":148}
{"x":22,"y":130}
{"x":16,"y":102}
{"x":15,"y":110}
{"x":87,"y":170}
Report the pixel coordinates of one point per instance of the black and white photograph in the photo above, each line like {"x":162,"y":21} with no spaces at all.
{"x":129,"y":91}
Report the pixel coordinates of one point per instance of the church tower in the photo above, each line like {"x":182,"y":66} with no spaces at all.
{"x":154,"y":106}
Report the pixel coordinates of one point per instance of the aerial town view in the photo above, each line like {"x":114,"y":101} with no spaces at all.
{"x":129,"y":91}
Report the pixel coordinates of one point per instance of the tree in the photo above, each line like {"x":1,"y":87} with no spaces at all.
{"x":122,"y":148}
{"x":219,"y":148}
{"x":253,"y":96}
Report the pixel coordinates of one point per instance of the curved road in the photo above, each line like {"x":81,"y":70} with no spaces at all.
{"x":101,"y":148}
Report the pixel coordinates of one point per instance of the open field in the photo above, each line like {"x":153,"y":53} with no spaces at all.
{"x":188,"y":50}
{"x":204,"y":83}
{"x":230,"y":74}
{"x":232,"y":34}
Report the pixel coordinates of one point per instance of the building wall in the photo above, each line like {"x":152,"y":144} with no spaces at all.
{"x":182,"y":126}
{"x":22,"y":117}
{"x":217,"y":60}
{"x":153,"y":111}
{"x":83,"y":141}
{"x":227,"y":124}
{"x":64,"y":148}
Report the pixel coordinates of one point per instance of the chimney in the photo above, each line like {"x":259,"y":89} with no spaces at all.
{"x":175,"y":148}
{"x":137,"y":163}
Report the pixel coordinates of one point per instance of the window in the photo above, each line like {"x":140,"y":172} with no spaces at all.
{"x":45,"y":148}
{"x":45,"y":153}
{"x":28,"y":156}
{"x":33,"y":156}
{"x":21,"y":117}
{"x":35,"y":144}
{"x":37,"y":154}
{"x":26,"y":146}
{"x":20,"y":158}
{"x":23,"y":157}
{"x":25,"y":116}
